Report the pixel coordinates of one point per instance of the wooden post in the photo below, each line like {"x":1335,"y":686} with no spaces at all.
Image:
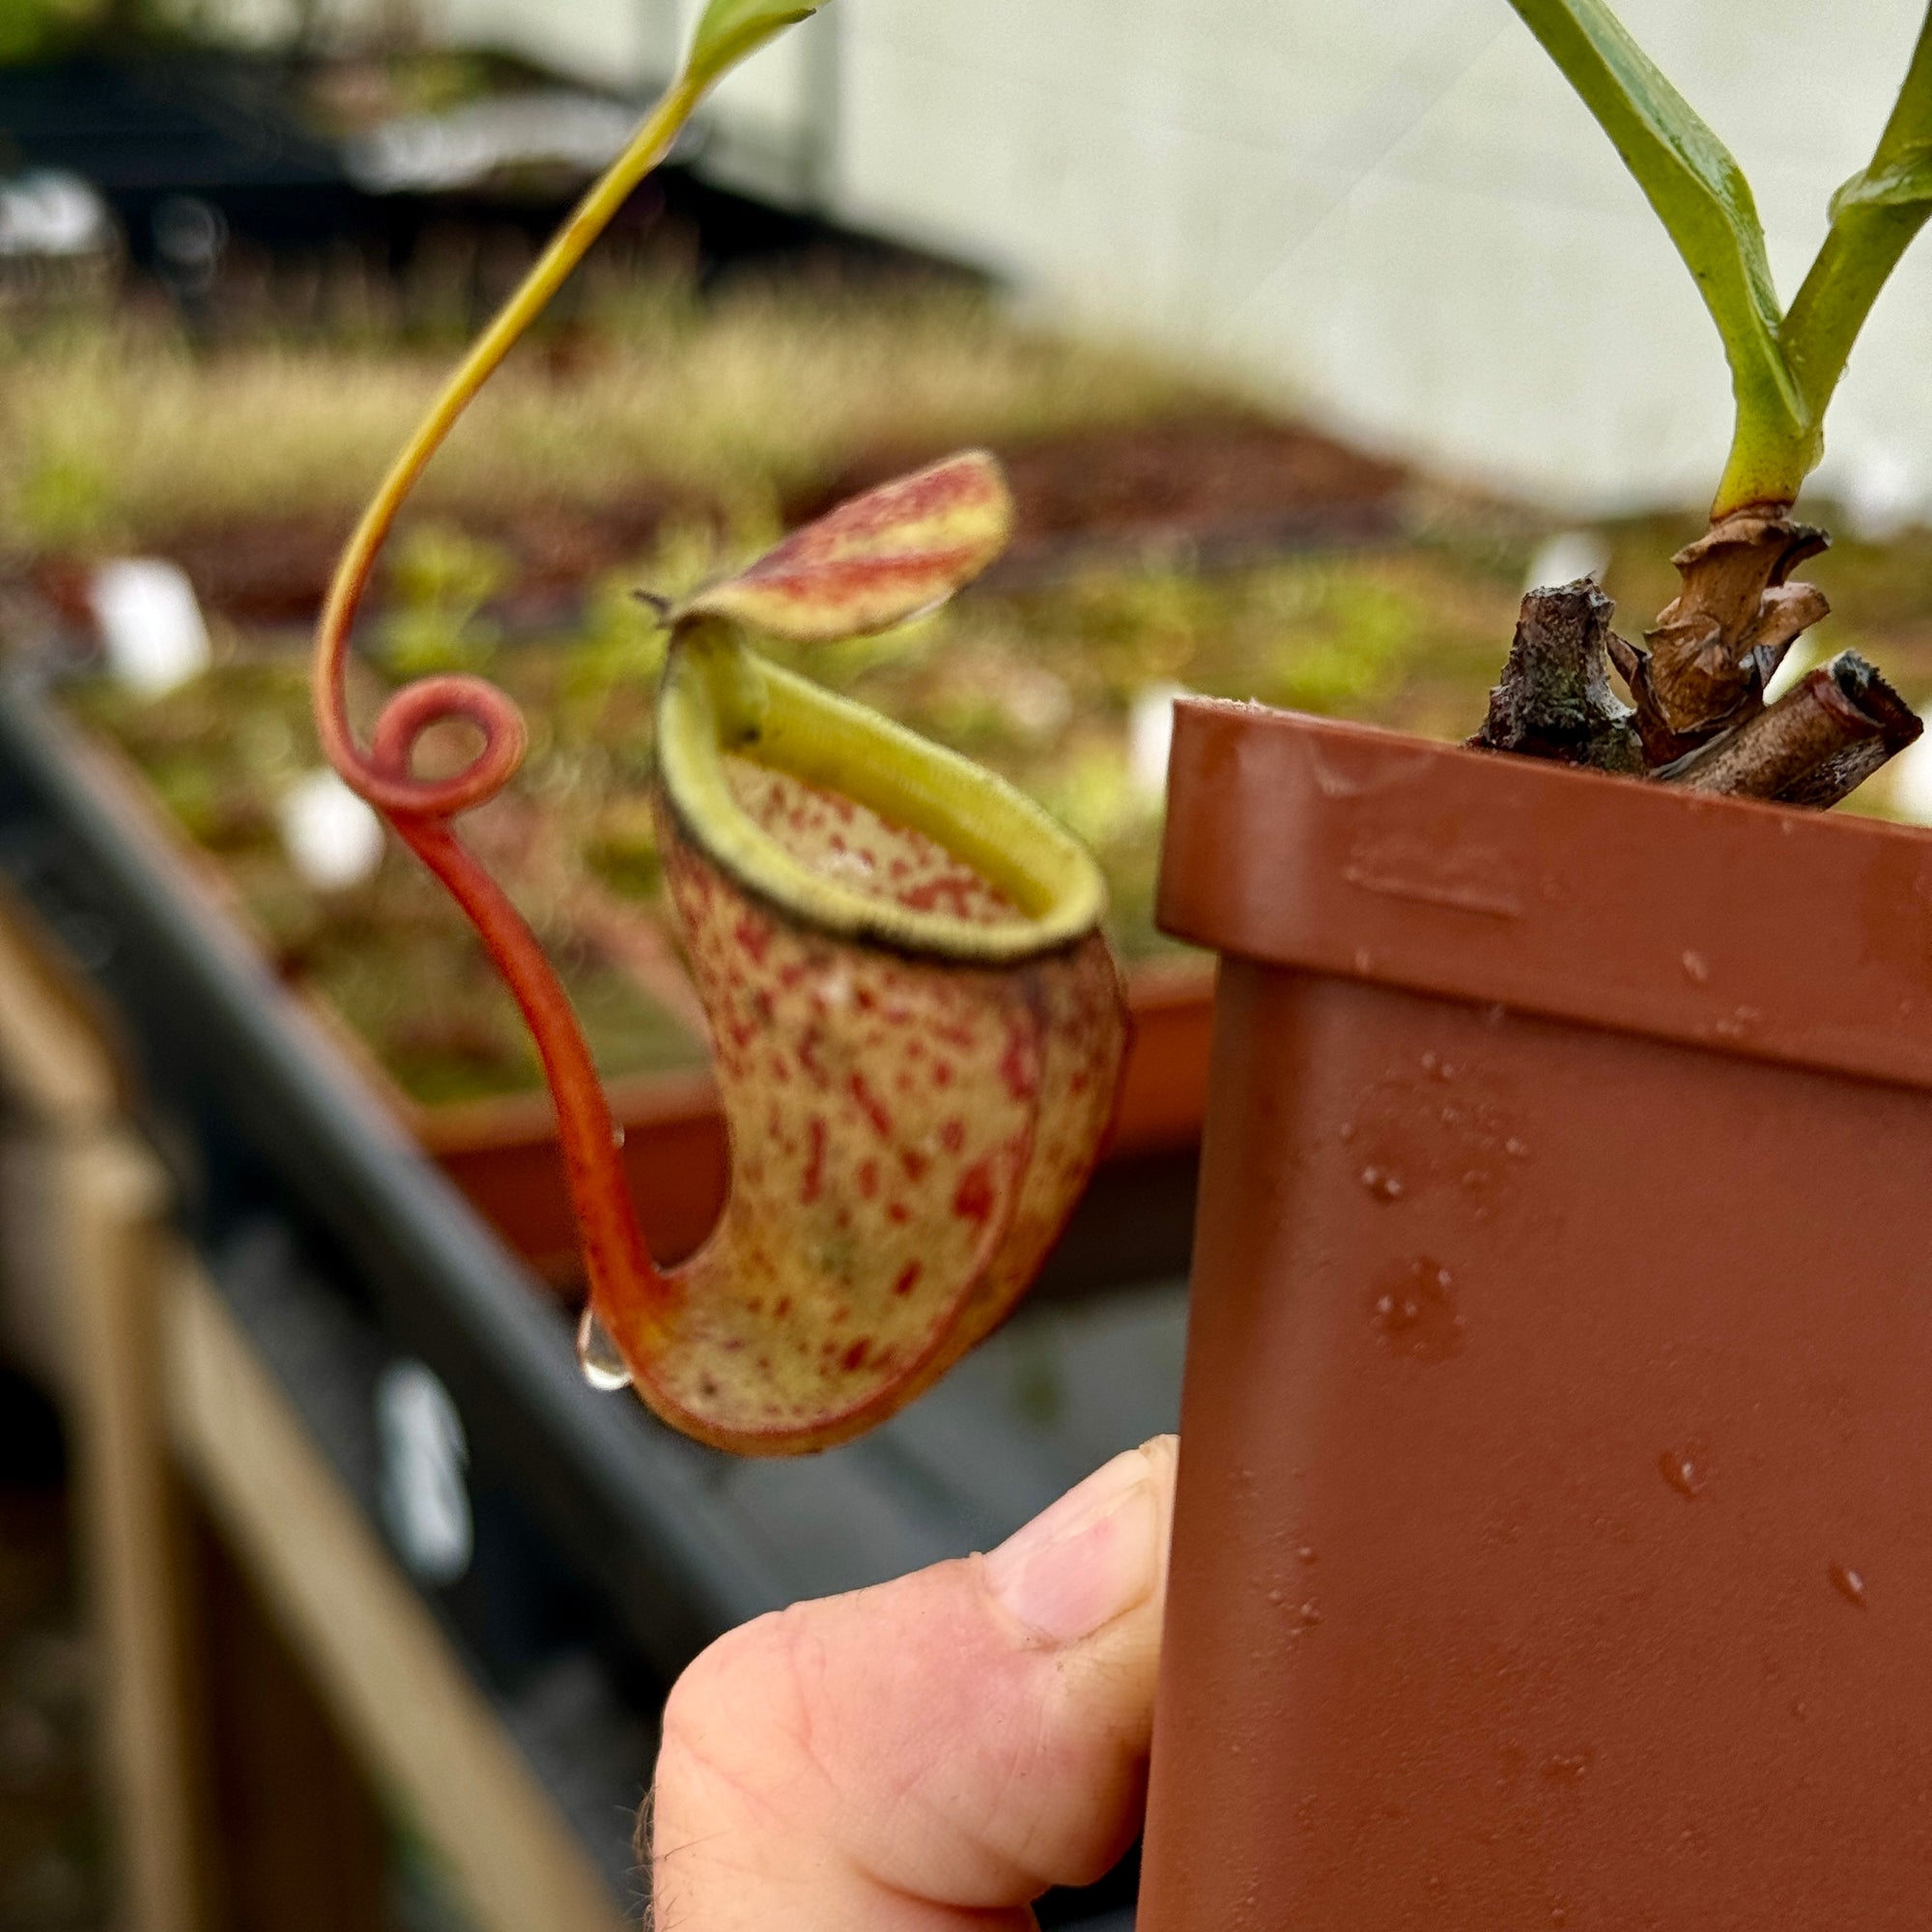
{"x":373,"y":1649}
{"x":97,"y":1198}
{"x":216,"y":1531}
{"x":134,"y":1534}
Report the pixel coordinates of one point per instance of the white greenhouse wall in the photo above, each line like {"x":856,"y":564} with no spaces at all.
{"x":1395,"y":214}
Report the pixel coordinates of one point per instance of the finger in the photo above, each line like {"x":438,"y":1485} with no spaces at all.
{"x":933,"y":1753}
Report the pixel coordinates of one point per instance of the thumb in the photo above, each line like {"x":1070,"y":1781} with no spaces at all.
{"x":933,"y":1753}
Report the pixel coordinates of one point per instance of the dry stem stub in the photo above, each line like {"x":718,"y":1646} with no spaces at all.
{"x":1556,"y":700}
{"x":1699,"y":716}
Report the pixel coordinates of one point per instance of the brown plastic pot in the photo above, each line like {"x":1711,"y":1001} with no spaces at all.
{"x":1554,"y":1535}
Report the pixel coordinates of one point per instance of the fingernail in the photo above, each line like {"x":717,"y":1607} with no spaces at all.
{"x":1088,"y":1558}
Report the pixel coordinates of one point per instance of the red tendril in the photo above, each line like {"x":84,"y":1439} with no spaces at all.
{"x":615,"y":1256}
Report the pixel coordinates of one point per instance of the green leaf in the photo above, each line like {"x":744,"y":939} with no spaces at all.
{"x":732,"y":29}
{"x":1874,"y":219}
{"x":1905,"y":182}
{"x":1701,"y":196}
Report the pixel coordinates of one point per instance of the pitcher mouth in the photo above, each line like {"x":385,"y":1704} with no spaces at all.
{"x":719,"y":699}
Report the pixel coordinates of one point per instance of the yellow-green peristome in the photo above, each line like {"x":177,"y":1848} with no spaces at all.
{"x":718,"y":699}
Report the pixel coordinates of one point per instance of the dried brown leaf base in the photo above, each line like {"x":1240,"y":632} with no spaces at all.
{"x":1816,"y":744}
{"x":1702,"y":669}
{"x":1699,"y":717}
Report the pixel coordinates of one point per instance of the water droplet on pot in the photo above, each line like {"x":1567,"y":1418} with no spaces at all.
{"x":1685,"y":1470}
{"x":1516,"y":1150}
{"x":1310,"y":1615}
{"x":1364,"y":959}
{"x":1346,"y":1132}
{"x":1569,"y":1767}
{"x":1696,"y":969}
{"x":617,"y":1136}
{"x":1382,"y":1183}
{"x":597,"y":1354}
{"x":1798,"y":1708}
{"x":1849,"y":1584}
{"x":1416,"y":1315}
{"x":1306,"y":1554}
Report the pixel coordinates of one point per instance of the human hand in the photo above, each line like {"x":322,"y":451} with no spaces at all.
{"x":931,"y":1755}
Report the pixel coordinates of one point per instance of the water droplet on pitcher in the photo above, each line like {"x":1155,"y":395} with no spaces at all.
{"x":1686,"y":1470}
{"x":1696,"y":969}
{"x":1417,"y":1316}
{"x":1382,"y":1183}
{"x":1849,"y":1584}
{"x":597,"y":1354}
{"x":617,"y":1136}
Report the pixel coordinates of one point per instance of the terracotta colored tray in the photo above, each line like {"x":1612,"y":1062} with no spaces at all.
{"x":503,"y":1153}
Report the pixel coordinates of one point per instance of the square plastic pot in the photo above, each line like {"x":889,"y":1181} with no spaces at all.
{"x":1554,"y":1534}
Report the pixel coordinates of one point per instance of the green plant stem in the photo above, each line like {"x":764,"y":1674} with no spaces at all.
{"x":1700,"y":195}
{"x":1873,"y":223}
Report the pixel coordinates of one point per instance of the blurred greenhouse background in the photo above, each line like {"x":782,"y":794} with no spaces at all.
{"x":1397,"y":216}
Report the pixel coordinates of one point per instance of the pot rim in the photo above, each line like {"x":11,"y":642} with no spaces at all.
{"x":1751,"y":929}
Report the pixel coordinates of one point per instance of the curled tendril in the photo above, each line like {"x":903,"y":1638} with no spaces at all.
{"x":444,"y":700}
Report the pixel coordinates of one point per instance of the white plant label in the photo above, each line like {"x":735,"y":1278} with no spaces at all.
{"x":151,"y":624}
{"x":1150,"y":737}
{"x":424,"y":1494}
{"x":1566,"y":558}
{"x":333,"y":838}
